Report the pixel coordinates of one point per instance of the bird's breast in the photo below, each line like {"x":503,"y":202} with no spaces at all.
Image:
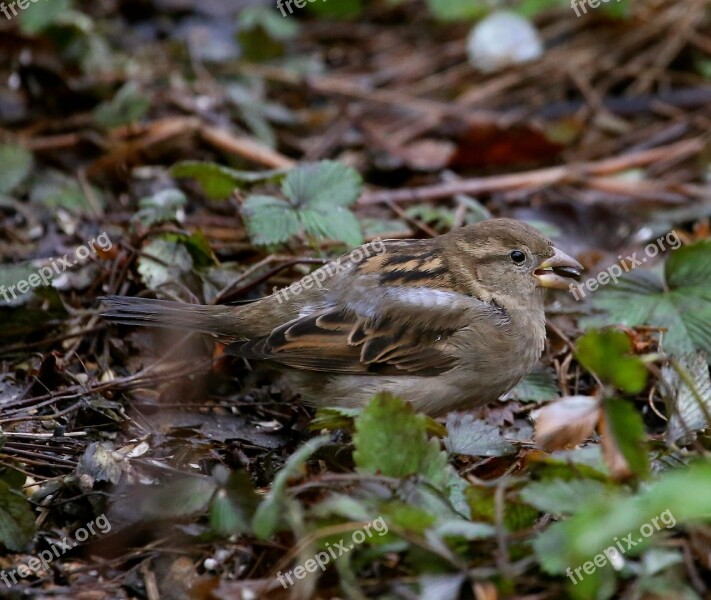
{"x":494,"y":357}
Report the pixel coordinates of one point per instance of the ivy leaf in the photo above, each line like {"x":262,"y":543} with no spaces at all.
{"x":679,"y":300}
{"x":388,"y":423}
{"x":608,"y":354}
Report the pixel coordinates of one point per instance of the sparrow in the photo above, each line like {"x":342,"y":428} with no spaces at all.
{"x":446,"y":323}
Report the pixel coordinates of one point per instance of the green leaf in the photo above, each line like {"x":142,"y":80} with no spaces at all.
{"x":225,"y":519}
{"x":387,"y":423}
{"x":468,"y":530}
{"x":558,"y":496}
{"x":457,"y":10}
{"x":409,"y":518}
{"x":182,"y":497}
{"x":336,"y":223}
{"x":10,"y":276}
{"x":325,"y":184}
{"x":269,"y":512}
{"x":607,"y":353}
{"x":261,"y":16}
{"x":164,"y":206}
{"x":517,"y":515}
{"x":38,"y":16}
{"x":17,"y":520}
{"x":625,"y":426}
{"x":679,"y":497}
{"x":54,"y":190}
{"x":531,"y":8}
{"x":317,"y":196}
{"x":539,"y":386}
{"x":16,"y":164}
{"x":679,"y":301}
{"x":334,"y":417}
{"x":197,"y":245}
{"x":269,"y":220}
{"x":234,"y":505}
{"x":620,"y":9}
{"x":689,"y":267}
{"x":128,"y":106}
{"x":342,"y":9}
{"x":474,"y":437}
{"x":218,"y":182}
{"x":262,"y":32}
{"x":162,"y":261}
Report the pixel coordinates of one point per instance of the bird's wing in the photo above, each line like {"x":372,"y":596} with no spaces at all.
{"x":398,"y":330}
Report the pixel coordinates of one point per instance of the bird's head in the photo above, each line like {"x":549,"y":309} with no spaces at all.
{"x":507,"y":262}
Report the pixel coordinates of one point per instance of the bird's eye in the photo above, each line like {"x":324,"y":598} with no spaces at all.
{"x":517,"y":256}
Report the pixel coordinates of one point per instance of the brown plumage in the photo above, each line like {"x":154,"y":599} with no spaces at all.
{"x":445,"y":323}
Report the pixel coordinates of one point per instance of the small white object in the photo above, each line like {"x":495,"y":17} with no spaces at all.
{"x":210,"y":564}
{"x":503,"y":39}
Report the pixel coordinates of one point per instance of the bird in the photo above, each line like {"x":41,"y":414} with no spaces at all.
{"x":447,"y":323}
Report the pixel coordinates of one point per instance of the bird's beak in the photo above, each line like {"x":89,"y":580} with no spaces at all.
{"x":558,"y":270}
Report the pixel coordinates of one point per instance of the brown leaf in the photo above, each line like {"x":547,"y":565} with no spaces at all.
{"x":492,"y":146}
{"x":566,"y":422}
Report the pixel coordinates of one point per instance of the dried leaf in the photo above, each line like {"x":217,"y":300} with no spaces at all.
{"x":567,"y":422}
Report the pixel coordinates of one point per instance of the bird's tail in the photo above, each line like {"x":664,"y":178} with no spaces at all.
{"x":220,"y":321}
